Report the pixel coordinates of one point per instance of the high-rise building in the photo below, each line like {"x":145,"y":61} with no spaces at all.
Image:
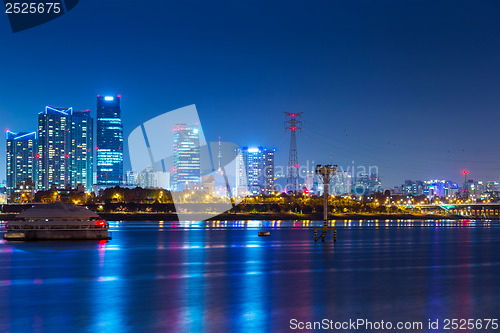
{"x":65,"y":149}
{"x":440,"y":188}
{"x":153,"y":179}
{"x":109,"y":141}
{"x":414,"y":188}
{"x":21,"y":155}
{"x":255,"y":171}
{"x":82,"y":152}
{"x":131,"y":178}
{"x":186,"y":156}
{"x":341,"y":183}
{"x":492,"y":186}
{"x":366,"y":184}
{"x":54,"y":148}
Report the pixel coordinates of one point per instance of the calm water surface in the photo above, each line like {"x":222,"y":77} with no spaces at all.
{"x":222,"y":277}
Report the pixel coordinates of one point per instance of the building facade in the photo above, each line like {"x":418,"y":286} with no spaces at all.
{"x":109,"y":141}
{"x":21,"y":158}
{"x":82,"y":152}
{"x":365,"y":184}
{"x":187,"y":167}
{"x":341,"y":183}
{"x":65,"y":149}
{"x":54,"y":148}
{"x":255,"y":171}
{"x":131,"y":178}
{"x":440,"y":188}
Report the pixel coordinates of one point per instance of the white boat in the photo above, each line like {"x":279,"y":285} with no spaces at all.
{"x":57,"y":221}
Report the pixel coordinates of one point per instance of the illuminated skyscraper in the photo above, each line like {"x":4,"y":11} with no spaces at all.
{"x":82,"y":152}
{"x":54,"y":147}
{"x":109,"y":141}
{"x":255,"y":171}
{"x":186,"y":156}
{"x":21,"y":154}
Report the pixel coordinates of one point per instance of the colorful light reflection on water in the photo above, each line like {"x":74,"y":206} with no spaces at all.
{"x":219,"y":276}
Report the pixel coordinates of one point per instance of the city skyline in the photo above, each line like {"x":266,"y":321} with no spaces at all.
{"x":302,"y":178}
{"x":251,"y":165}
{"x":390,"y":84}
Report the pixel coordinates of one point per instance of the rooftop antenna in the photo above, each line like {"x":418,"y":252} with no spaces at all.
{"x":219,"y":156}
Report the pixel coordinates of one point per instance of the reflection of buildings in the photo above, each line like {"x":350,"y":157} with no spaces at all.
{"x":54,"y":147}
{"x":21,"y":153}
{"x":109,"y":141}
{"x":255,"y":171}
{"x":186,"y":156}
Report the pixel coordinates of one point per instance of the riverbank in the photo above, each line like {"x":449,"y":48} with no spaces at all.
{"x":263,"y":216}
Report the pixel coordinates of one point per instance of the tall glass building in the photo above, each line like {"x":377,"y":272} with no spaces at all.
{"x":82,"y":152}
{"x":255,"y":171}
{"x":21,"y":155}
{"x":54,"y":148}
{"x":109,"y":141}
{"x":186,"y":156}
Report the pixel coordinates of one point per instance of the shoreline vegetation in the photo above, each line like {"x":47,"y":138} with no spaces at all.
{"x":138,"y":204}
{"x":154,"y":216}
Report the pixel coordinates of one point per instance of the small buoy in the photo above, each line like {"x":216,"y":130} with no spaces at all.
{"x":264,"y":233}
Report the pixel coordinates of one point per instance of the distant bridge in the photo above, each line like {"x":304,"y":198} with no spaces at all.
{"x":472,"y":210}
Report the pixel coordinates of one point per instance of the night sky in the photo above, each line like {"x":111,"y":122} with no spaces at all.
{"x":409,"y":86}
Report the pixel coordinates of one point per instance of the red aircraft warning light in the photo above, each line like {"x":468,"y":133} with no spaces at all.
{"x":465,"y":172}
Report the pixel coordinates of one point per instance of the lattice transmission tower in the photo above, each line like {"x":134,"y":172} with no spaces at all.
{"x":293,"y":124}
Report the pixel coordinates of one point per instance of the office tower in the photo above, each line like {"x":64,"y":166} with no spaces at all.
{"x":440,"y":188}
{"x":54,"y":148}
{"x":21,"y":155}
{"x":341,"y":183}
{"x":82,"y":152}
{"x":131,"y":178}
{"x":186,"y":156}
{"x":153,"y":179}
{"x":109,"y":141}
{"x":492,"y":186}
{"x":255,"y":171}
{"x":366,"y":184}
{"x":241,"y":188}
{"x":268,"y":156}
{"x":414,"y":188}
{"x":309,"y":180}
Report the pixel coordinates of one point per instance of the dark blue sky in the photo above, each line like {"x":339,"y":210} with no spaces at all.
{"x":409,"y":86}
